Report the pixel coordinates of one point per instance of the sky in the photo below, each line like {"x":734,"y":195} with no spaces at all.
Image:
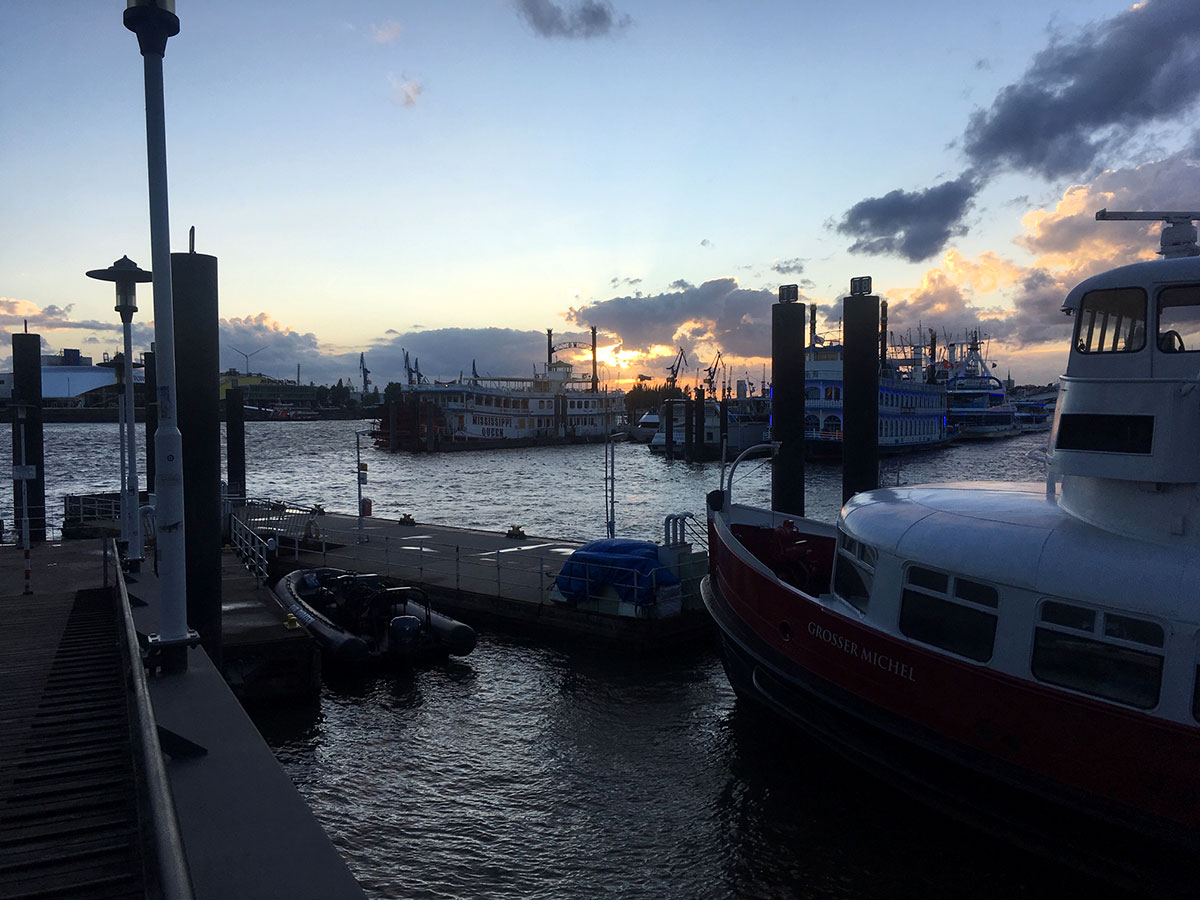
{"x":453,"y":179}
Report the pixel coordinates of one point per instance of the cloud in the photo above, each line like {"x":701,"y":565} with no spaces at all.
{"x":617,"y":281}
{"x":385,"y":33}
{"x":718,"y":313}
{"x":591,"y":18}
{"x":1084,"y":97}
{"x":681,"y":284}
{"x":705,"y":242}
{"x":911,"y":224}
{"x":1081,"y":100}
{"x":405,"y":91}
{"x":794,"y":266}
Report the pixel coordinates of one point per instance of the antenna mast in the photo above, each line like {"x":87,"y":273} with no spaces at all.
{"x":1178,"y":232}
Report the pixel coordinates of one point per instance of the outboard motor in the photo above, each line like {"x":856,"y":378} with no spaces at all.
{"x":404,"y":635}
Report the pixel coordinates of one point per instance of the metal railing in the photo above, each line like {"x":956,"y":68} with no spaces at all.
{"x":92,"y":507}
{"x":170,"y":863}
{"x":254,"y":551}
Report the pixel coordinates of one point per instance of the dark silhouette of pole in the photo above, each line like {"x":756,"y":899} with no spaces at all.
{"x":787,"y":401}
{"x":860,"y":395}
{"x":235,"y":441}
{"x":29,"y":491}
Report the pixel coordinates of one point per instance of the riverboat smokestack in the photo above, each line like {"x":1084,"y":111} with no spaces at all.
{"x":860,"y":395}
{"x":787,"y":401}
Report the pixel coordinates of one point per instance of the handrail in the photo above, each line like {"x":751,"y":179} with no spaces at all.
{"x":254,"y":552}
{"x":170,"y":862}
{"x":727,"y":481}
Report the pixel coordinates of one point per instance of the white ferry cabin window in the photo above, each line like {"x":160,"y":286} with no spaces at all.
{"x":1111,"y":321}
{"x":1179,"y":319}
{"x":955,"y":614}
{"x":1106,"y":655}
{"x":853,"y":571}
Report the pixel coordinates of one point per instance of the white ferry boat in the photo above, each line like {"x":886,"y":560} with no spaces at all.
{"x":554,"y":406}
{"x":1025,"y":657}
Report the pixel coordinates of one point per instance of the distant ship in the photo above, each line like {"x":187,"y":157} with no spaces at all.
{"x":977,"y":403}
{"x":479,"y":412}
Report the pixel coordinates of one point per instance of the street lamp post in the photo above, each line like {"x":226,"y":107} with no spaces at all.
{"x":154,"y":21}
{"x":126,"y":274}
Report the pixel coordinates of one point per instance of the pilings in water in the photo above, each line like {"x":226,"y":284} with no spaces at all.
{"x":29,"y":494}
{"x":860,"y":395}
{"x":235,"y":441}
{"x":197,"y":369}
{"x":669,"y":426}
{"x":689,"y":429}
{"x":787,"y":401}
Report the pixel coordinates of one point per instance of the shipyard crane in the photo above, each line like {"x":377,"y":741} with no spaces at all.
{"x":710,"y":376}
{"x":362,"y":368}
{"x":673,"y":369}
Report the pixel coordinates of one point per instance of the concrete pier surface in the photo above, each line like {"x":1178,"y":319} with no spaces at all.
{"x":76,"y":818}
{"x":493,"y":580}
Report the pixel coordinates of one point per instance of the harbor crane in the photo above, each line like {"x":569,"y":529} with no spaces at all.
{"x":362,"y":367}
{"x":673,"y":369}
{"x":710,"y":377}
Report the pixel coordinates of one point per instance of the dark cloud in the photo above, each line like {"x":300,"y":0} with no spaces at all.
{"x":705,"y":242}
{"x":1081,"y":99}
{"x":588,"y":19}
{"x":681,"y":284}
{"x":1084,"y":96}
{"x":910,"y":224}
{"x":794,"y":266}
{"x":720,"y":312}
{"x":617,"y":281}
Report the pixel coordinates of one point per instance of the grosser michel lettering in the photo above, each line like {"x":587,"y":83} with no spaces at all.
{"x":871,"y":657}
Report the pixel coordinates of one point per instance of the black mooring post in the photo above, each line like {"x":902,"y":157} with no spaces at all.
{"x":787,"y":401}
{"x":197,"y":374}
{"x":668,"y":418}
{"x":27,"y":423}
{"x":724,"y":436}
{"x":150,"y":403}
{"x":393,"y":414}
{"x":235,"y":441}
{"x":698,"y":447}
{"x":689,"y":429}
{"x":860,"y":395}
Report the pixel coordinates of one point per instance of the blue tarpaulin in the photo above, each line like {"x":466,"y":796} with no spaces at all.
{"x":631,"y":567}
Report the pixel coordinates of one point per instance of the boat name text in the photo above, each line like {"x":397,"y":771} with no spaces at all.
{"x":871,"y":657}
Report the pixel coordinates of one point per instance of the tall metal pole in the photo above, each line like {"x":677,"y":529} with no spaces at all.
{"x":153,"y":24}
{"x":134,"y":535}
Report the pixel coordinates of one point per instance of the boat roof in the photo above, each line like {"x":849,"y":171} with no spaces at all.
{"x":1149,"y":272}
{"x":1010,"y":533}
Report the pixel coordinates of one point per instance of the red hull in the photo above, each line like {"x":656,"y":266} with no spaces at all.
{"x":1116,"y":765}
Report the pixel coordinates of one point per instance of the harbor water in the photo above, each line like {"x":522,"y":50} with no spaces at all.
{"x":529,"y":770}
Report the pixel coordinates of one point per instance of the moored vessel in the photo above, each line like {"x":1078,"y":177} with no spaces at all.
{"x":1025,"y":657}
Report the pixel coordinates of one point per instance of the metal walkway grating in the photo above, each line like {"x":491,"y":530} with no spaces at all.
{"x":69,"y":825}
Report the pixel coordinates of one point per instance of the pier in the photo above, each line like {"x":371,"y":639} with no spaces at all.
{"x":491,"y":579}
{"x":120,"y":780}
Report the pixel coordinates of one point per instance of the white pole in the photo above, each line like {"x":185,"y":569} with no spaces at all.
{"x":134,"y":535}
{"x":168,"y":443}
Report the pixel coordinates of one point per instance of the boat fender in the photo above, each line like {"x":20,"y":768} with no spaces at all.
{"x":715,"y":500}
{"x":404,"y":634}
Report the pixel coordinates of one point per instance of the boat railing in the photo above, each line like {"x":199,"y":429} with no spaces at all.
{"x":80,"y":508}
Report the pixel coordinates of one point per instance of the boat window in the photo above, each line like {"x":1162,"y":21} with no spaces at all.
{"x":1137,"y":630}
{"x":983,"y":594}
{"x":852,"y":574}
{"x":1179,"y":319}
{"x":1110,"y":671}
{"x":928,"y":578}
{"x":1112,"y":321}
{"x":1069,"y":616}
{"x":952,"y":626}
